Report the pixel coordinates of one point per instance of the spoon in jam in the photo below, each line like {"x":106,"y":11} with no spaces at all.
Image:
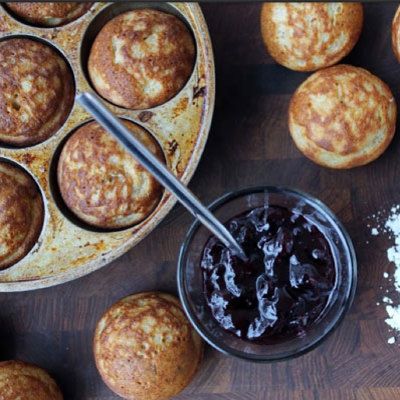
{"x":110,"y":123}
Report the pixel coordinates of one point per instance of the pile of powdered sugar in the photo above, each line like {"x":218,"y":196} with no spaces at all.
{"x":390,"y":226}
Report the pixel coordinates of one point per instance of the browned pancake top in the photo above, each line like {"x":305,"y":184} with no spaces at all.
{"x":342,"y":117}
{"x":396,"y":34}
{"x":141,"y":58}
{"x":145,"y":348}
{"x":22,"y":381}
{"x":102,"y":183}
{"x":310,"y":36}
{"x":21,"y":214}
{"x":36,"y":91}
{"x":49,"y":13}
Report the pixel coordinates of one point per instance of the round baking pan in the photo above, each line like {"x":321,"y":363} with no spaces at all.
{"x":67,"y":248}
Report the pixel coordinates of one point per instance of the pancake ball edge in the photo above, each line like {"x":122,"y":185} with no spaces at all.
{"x":310,"y":36}
{"x":342,"y":117}
{"x":145,"y":348}
{"x":21,"y":214}
{"x":24,"y":381}
{"x":48,"y":14}
{"x":141,"y":58}
{"x":36,"y":97}
{"x":101,"y":183}
{"x":396,"y":34}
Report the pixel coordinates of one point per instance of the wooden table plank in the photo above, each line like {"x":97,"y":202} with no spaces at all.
{"x":249,"y":145}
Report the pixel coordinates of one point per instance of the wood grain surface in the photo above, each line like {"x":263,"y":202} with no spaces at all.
{"x":249,"y":145}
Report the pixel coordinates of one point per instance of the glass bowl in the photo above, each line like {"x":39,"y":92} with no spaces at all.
{"x":190,"y":279}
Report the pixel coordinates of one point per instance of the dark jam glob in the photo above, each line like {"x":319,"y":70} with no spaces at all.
{"x":283,"y":287}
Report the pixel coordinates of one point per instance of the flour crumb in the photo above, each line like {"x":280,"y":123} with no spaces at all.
{"x":389,"y":224}
{"x":387,"y":300}
{"x":394,"y":317}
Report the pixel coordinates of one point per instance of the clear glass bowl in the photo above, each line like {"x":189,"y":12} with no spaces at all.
{"x":190,"y":279}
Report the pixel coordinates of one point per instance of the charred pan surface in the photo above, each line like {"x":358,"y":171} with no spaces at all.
{"x":36,"y":92}
{"x":21,"y":214}
{"x":141,"y":59}
{"x":310,"y":36}
{"x":342,"y":117}
{"x":102,"y":183}
{"x":145,"y":347}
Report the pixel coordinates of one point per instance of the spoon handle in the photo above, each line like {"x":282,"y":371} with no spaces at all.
{"x":109,"y":122}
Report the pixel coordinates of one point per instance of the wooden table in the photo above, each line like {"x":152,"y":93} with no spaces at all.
{"x":249,"y":145}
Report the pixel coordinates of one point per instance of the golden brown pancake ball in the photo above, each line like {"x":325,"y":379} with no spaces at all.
{"x":310,"y":36}
{"x":23,"y":381}
{"x":48,"y":14}
{"x":21,"y":214}
{"x":145,"y":348}
{"x":141,"y":58}
{"x":102,"y":183}
{"x":36,"y":91}
{"x":396,"y":34}
{"x":342,"y":117}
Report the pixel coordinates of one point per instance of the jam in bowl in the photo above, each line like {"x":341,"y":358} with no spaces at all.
{"x":291,"y":292}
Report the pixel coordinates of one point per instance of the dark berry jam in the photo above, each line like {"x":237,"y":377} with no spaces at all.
{"x":285,"y":284}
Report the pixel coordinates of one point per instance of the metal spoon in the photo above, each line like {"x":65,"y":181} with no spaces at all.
{"x":109,"y":122}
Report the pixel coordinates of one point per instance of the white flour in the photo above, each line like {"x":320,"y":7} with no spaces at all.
{"x":391,"y":227}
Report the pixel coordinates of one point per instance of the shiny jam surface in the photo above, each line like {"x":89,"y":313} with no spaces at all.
{"x":284,"y":285}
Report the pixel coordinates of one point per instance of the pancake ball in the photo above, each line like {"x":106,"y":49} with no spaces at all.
{"x":342,"y":117}
{"x":36,"y":92}
{"x":21,"y":214}
{"x":145,"y":348}
{"x":310,"y":36}
{"x":48,"y":14}
{"x":396,"y":34}
{"x":23,"y":381}
{"x":101,"y":183}
{"x":141,"y":59}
